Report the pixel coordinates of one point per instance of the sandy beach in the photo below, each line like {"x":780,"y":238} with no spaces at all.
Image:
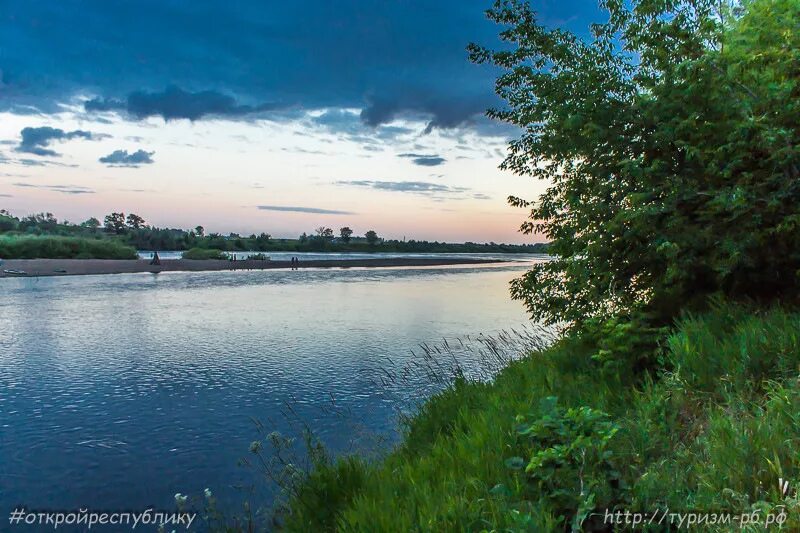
{"x":77,"y":267}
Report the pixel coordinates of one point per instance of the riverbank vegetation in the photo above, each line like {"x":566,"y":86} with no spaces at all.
{"x":133,"y":231}
{"x":669,"y":142}
{"x":559,"y":438}
{"x":57,"y":247}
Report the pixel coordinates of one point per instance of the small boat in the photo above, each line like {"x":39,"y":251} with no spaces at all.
{"x":15,"y":272}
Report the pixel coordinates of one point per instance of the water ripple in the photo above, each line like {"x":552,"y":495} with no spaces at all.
{"x":118,"y":391}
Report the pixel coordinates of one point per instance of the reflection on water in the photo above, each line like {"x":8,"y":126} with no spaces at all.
{"x":116,"y":392}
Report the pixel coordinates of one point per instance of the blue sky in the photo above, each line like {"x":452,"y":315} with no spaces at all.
{"x":251,"y":115}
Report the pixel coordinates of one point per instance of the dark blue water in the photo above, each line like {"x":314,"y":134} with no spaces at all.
{"x":118,"y":391}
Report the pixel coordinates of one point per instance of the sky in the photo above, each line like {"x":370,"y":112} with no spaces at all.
{"x":251,"y":115}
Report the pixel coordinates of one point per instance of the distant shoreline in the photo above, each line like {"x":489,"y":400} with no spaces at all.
{"x":84,"y":267}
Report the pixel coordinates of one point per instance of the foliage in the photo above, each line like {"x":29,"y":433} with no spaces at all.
{"x":134,"y":221}
{"x":114,"y":223}
{"x":670,"y":143}
{"x":323,"y":232}
{"x":7,"y":222}
{"x":327,"y":487}
{"x":345,"y":233}
{"x":92,"y":224}
{"x":570,"y":461}
{"x":626,"y":345}
{"x":371,"y":237}
{"x":204,"y":254}
{"x":42,"y":247}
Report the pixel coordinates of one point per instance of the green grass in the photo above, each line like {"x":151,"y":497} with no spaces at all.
{"x":714,"y":433}
{"x":52,"y":247}
{"x":204,"y":253}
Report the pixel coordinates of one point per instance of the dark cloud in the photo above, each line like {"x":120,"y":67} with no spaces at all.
{"x":121,"y":158}
{"x":338,"y":120}
{"x":348,"y":125}
{"x":36,"y":140}
{"x":3,"y":195}
{"x":434,"y":190}
{"x":443,"y":113}
{"x":315,"y":210}
{"x":66,"y":189}
{"x":425,"y":160}
{"x":390,"y":58}
{"x":175,"y":103}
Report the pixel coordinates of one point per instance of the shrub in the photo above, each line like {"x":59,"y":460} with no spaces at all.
{"x":626,"y":345}
{"x":44,"y":247}
{"x":569,"y":461}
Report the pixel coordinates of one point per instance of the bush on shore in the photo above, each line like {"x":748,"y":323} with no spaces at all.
{"x":51,"y":247}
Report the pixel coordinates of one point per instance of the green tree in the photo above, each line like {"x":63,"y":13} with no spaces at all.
{"x":262,"y":241}
{"x":200,"y":231}
{"x":39,"y":223}
{"x":7,"y":222}
{"x":114,"y":223}
{"x":324,"y":233}
{"x":372,"y":237}
{"x":92,"y":224}
{"x":669,"y":141}
{"x":345,"y":233}
{"x":135,"y":221}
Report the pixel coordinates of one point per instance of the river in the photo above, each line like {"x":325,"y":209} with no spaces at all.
{"x":118,"y":391}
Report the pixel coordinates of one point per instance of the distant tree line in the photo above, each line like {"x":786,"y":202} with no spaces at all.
{"x":133,"y":230}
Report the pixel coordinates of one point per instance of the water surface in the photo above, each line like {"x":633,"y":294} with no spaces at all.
{"x":118,"y":391}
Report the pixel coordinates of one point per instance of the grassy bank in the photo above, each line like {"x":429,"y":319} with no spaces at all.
{"x":560,"y":437}
{"x":52,"y":247}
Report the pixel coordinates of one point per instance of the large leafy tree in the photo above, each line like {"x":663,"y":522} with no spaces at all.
{"x":134,"y":221}
{"x":669,"y":140}
{"x":114,"y":223}
{"x":372,"y":237}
